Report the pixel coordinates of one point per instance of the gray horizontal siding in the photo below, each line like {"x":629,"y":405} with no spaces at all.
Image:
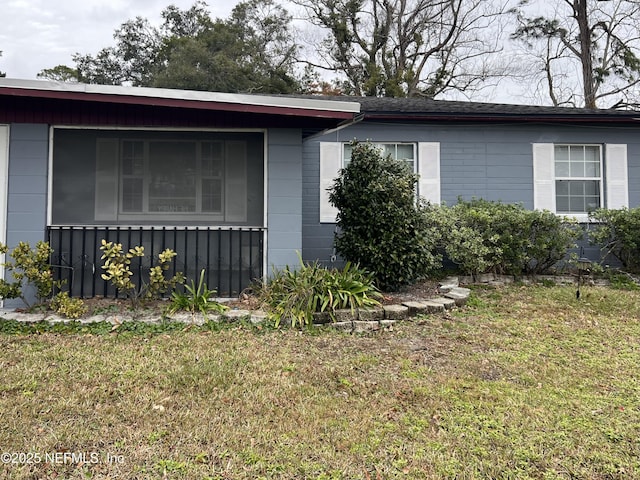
{"x":493,"y":162}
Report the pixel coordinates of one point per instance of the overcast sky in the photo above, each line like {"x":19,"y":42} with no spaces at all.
{"x":39,"y":34}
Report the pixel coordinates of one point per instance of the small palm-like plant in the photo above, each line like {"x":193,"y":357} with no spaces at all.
{"x":295,"y":295}
{"x":196,"y":299}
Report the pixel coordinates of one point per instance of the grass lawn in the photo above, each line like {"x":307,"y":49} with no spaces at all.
{"x":525,"y":382}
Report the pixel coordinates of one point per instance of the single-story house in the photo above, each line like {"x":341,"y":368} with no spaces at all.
{"x":566,"y":160}
{"x":236,"y":184}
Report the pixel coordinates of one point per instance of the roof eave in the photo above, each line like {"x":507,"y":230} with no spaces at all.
{"x":261,"y":104}
{"x":593,"y":118}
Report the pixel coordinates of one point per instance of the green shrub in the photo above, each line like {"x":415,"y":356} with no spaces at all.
{"x":68,"y":307}
{"x":483,"y":236}
{"x":617,"y":232}
{"x":196,"y":299}
{"x":296,"y":295}
{"x":28,"y":266}
{"x":550,"y":238}
{"x":381,"y":227}
{"x":117,"y":264}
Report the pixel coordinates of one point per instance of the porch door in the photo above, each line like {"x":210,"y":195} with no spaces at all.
{"x":4,"y":184}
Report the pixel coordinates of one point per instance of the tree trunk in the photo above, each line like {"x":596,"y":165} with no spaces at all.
{"x":584,"y":32}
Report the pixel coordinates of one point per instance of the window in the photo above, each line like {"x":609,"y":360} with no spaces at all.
{"x":157,"y":177}
{"x":575,"y":179}
{"x":397,"y":151}
{"x":171,"y":177}
{"x":578,"y":174}
{"x":422,"y":157}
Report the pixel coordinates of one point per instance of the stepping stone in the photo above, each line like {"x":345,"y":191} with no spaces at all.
{"x":485,"y":277}
{"x":370,"y":314}
{"x":446,"y":302}
{"x":345,"y":315}
{"x":448,"y":283}
{"x":459,"y":295}
{"x":433,"y":307}
{"x":505,"y":279}
{"x":321,"y":318}
{"x":347,"y":326}
{"x":395,"y":312}
{"x":415,"y":308}
{"x":258,"y":316}
{"x":237,"y":314}
{"x":362,"y":327}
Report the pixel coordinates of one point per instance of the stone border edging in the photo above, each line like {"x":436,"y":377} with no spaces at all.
{"x":361,"y":320}
{"x":366,"y":320}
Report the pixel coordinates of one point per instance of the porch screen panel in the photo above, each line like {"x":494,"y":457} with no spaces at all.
{"x":105,"y":177}
{"x":236,"y":165}
{"x":172,"y":177}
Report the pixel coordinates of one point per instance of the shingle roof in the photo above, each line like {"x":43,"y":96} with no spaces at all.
{"x":417,"y":109}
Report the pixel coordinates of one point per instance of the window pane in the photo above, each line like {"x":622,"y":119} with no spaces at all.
{"x":562,"y":153}
{"x":592,"y":169}
{"x":347,"y":154}
{"x":592,"y":203}
{"x":577,"y":196}
{"x":212,"y":159}
{"x":562,"y":204}
{"x":592,"y":188}
{"x":562,"y":187}
{"x":576,"y":188}
{"x":212,"y":195}
{"x":133,"y":158}
{"x":592,"y":154}
{"x":172,"y":181}
{"x":562,"y":169}
{"x":576,"y":169}
{"x":132,"y":195}
{"x":576,"y":205}
{"x":405,"y":152}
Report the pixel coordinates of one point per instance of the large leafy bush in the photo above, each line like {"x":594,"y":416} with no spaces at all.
{"x":617,"y":232}
{"x":381,"y":226}
{"x":483,"y":236}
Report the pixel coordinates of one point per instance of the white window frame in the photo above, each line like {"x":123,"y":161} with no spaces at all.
{"x":571,"y":147}
{"x":382,"y":146}
{"x":614,"y":192}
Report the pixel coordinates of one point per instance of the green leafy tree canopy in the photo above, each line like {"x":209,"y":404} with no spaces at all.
{"x":252,"y":50}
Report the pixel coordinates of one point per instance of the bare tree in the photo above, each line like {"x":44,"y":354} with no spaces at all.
{"x":408,"y":47}
{"x":584,"y":49}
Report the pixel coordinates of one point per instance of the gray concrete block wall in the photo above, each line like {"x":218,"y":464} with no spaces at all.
{"x":284,"y":199}
{"x":27,"y":192}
